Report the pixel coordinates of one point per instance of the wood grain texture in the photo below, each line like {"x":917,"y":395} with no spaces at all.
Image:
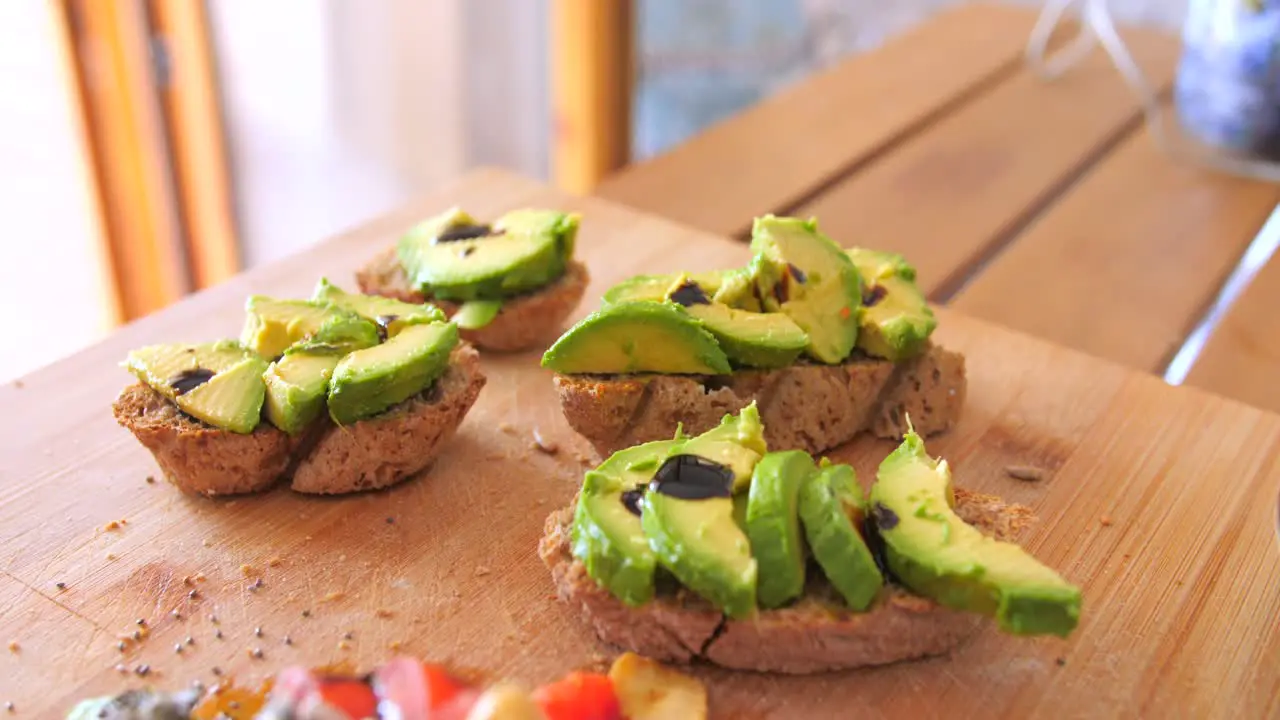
{"x":771,"y":156}
{"x":1242,"y":357}
{"x":1124,"y":264}
{"x":1158,"y":500}
{"x":952,"y":194}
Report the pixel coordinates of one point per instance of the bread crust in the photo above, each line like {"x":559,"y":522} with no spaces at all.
{"x":525,"y":320}
{"x":815,"y":634}
{"x":383,"y":450}
{"x":805,"y":406}
{"x":325,"y":459}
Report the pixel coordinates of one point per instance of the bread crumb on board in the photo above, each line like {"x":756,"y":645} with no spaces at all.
{"x":542,"y":444}
{"x":14,"y":647}
{"x":1025,"y":473}
{"x":1105,"y":521}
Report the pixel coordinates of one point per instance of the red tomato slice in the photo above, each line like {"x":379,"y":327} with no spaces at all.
{"x":351,"y":696}
{"x":579,"y":696}
{"x":408,"y":688}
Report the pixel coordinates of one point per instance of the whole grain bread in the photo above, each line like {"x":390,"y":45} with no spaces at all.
{"x":815,"y":634}
{"x":805,"y":406}
{"x":374,"y":453}
{"x":404,"y":440}
{"x":525,"y":320}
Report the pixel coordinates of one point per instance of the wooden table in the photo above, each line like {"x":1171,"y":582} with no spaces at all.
{"x":1159,"y":501}
{"x":1041,"y":206}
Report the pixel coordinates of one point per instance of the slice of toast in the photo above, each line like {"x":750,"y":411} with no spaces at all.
{"x":525,"y":320}
{"x":805,"y":406}
{"x":326,"y":459}
{"x":815,"y":634}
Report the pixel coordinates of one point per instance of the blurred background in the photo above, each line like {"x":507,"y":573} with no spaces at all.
{"x":154,"y":147}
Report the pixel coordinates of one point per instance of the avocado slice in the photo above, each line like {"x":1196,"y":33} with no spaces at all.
{"x":453,"y":257}
{"x":654,"y":287}
{"x":801,"y":273}
{"x":297,"y":385}
{"x":607,"y":537}
{"x":272,"y":325}
{"x":832,"y":511}
{"x":737,"y":443}
{"x":388,"y":314}
{"x":936,"y":554}
{"x":773,"y":525}
{"x":737,"y":290}
{"x":218,"y":383}
{"x":637,"y":337}
{"x":687,"y":516}
{"x":475,"y":314}
{"x":895,"y":320}
{"x":367,"y":382}
{"x":765,"y":340}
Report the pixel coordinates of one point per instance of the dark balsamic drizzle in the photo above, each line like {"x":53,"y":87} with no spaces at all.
{"x":465,"y":232}
{"x":797,"y":273}
{"x":875,"y":543}
{"x":384,"y":324}
{"x":781,"y":289}
{"x":873,"y":295}
{"x":690,"y":477}
{"x":690,"y":293}
{"x":188,"y":380}
{"x":631,"y":500}
{"x":886,"y":519}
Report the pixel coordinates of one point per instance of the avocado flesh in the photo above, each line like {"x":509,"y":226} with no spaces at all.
{"x":526,"y":250}
{"x":936,"y":554}
{"x":831,"y":511}
{"x":212,"y":382}
{"x":823,"y":299}
{"x":773,"y":525}
{"x":297,"y":385}
{"x":637,"y":337}
{"x":387,"y":313}
{"x":610,"y":542}
{"x":699,"y":542}
{"x":737,"y":443}
{"x":367,"y":382}
{"x":895,"y":320}
{"x":634,"y":466}
{"x":475,"y":314}
{"x":272,"y":325}
{"x":761,"y":340}
{"x":737,"y":290}
{"x":654,"y":287}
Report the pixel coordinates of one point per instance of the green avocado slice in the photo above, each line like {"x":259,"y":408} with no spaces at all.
{"x":773,"y":525}
{"x":654,"y":287}
{"x":737,"y":443}
{"x":272,"y":325}
{"x":297,"y":385}
{"x":801,"y":273}
{"x":475,"y":314}
{"x":367,"y":382}
{"x":895,"y":320}
{"x":636,"y":337}
{"x":389,"y":314}
{"x":937,"y":554}
{"x":452,"y":257}
{"x":832,"y":512}
{"x":607,"y":538}
{"x":219,"y":383}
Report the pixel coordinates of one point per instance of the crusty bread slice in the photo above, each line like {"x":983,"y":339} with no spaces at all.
{"x":326,"y":459}
{"x":199,"y":458}
{"x":805,"y":406}
{"x":384,"y":450}
{"x":524,"y":321}
{"x":815,"y":634}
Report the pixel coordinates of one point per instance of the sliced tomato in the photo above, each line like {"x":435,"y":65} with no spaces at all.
{"x":350,"y":695}
{"x":579,"y":696}
{"x":411,"y":689}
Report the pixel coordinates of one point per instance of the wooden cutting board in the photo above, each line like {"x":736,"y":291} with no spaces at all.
{"x":1159,"y":501}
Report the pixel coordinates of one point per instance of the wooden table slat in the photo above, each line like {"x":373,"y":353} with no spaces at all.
{"x":1129,"y":258}
{"x":1242,"y":356}
{"x":951,"y":194}
{"x":770,"y":156}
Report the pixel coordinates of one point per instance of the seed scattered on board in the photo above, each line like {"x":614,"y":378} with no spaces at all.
{"x":1025,"y":473}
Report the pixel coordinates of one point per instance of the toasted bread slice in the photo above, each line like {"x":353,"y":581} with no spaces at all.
{"x":524,"y":321}
{"x":805,"y":406}
{"x":196,"y":457}
{"x":815,"y":634}
{"x":405,"y":439}
{"x":369,"y":454}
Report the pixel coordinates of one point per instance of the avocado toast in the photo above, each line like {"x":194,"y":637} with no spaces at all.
{"x":508,"y":285}
{"x":339,"y":393}
{"x":830,"y":342}
{"x":714,"y":548}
